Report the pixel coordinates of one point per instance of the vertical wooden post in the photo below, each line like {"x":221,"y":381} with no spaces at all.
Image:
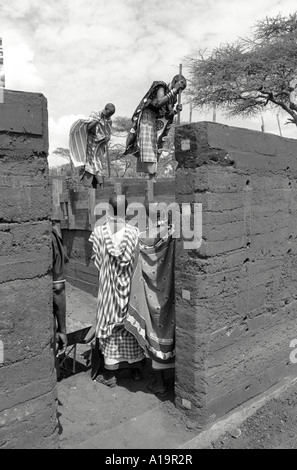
{"x":91,"y":206}
{"x":118,"y":189}
{"x":179,"y":94}
{"x":71,"y":216}
{"x":191,"y":111}
{"x":150,"y":191}
{"x":57,"y":189}
{"x":214,"y":113}
{"x":279,"y":126}
{"x":74,"y":359}
{"x":262,"y":124}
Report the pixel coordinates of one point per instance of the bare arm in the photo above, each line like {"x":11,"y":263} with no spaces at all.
{"x":163,"y":98}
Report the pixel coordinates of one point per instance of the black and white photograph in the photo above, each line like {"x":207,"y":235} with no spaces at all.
{"x":148,"y":227}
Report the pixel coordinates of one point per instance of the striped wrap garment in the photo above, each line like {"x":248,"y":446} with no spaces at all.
{"x":115,"y":267}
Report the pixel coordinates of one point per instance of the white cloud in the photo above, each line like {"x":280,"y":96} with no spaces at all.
{"x":59,"y":130}
{"x":20,"y":71}
{"x":81,"y":55}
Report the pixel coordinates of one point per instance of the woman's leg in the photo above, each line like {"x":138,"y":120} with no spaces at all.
{"x":148,"y":158}
{"x":100,"y":180}
{"x":159,"y":376}
{"x":158,"y":386}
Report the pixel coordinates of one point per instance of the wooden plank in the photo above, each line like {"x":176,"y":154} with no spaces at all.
{"x":70,"y":208}
{"x":77,"y":265}
{"x":64,"y":224}
{"x":91,"y":207}
{"x":167,"y":187}
{"x":57,"y":186}
{"x":81,"y":220}
{"x":150,"y":191}
{"x":90,"y":288}
{"x":81,"y":204}
{"x":79,"y":196}
{"x":86,"y":277}
{"x":139,"y":199}
{"x":118,"y":189}
{"x":103,"y":195}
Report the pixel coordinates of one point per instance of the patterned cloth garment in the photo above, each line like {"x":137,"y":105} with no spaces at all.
{"x":114,"y":261}
{"x":151,"y":313}
{"x":163,"y":118}
{"x":86,"y":148}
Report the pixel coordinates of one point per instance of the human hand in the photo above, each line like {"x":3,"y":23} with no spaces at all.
{"x":105,"y":140}
{"x":179,"y":107}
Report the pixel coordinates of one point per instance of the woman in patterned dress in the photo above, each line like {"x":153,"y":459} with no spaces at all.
{"x":151,"y":122}
{"x":151,"y":313}
{"x":114,"y":245}
{"x":88,"y":141}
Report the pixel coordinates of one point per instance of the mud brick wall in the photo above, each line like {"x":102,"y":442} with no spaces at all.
{"x":27,"y":374}
{"x":237,"y":294}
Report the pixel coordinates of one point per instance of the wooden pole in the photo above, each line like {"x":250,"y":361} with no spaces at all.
{"x":279,"y":126}
{"x":108,"y":162}
{"x":71,"y":215}
{"x":118,"y":189}
{"x":191,"y":110}
{"x":150,"y":191}
{"x":262,"y":124}
{"x":179,"y":93}
{"x":214,"y":113}
{"x":91,"y":207}
{"x":107,"y":154}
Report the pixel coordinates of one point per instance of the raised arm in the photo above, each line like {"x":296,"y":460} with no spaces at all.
{"x":163,"y":98}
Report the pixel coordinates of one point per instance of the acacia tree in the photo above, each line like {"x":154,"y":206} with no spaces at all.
{"x":252,"y":74}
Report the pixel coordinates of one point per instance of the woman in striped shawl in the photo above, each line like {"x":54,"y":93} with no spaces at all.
{"x":88,"y":141}
{"x":114,"y":245}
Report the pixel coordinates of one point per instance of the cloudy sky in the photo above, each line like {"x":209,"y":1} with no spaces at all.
{"x":82,"y":54}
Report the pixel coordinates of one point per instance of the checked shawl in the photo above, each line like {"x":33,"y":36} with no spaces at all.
{"x":163,"y":124}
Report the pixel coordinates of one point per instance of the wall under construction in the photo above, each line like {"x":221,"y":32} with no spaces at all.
{"x":236,"y":296}
{"x":78,"y":221}
{"x":236,"y":293}
{"x":27,"y":374}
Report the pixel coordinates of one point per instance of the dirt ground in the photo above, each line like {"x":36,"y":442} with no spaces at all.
{"x":87,"y":408}
{"x":274,"y":426}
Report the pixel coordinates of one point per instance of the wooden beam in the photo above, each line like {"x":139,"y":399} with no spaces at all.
{"x":179,"y":93}
{"x":150,"y":191}
{"x":91,"y":207}
{"x":118,"y":189}
{"x":71,"y":214}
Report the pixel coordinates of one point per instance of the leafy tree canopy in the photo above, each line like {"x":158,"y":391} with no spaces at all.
{"x":251,"y":74}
